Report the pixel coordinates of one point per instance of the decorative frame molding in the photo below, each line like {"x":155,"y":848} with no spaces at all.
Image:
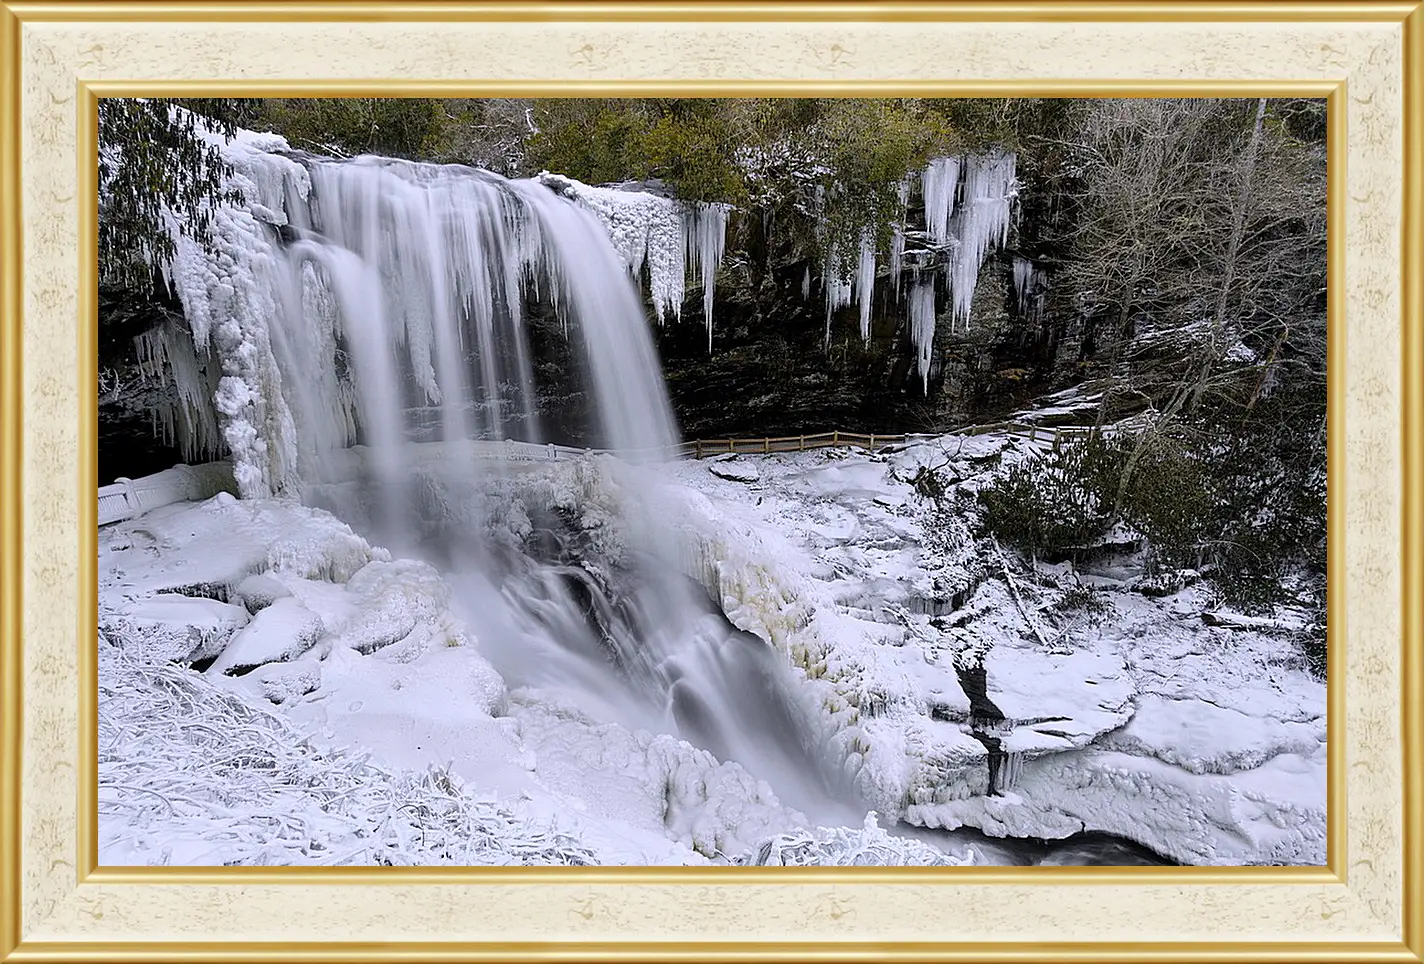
{"x":59,"y":57}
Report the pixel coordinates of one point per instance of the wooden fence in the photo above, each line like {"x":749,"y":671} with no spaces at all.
{"x":127,"y":498}
{"x":1047,"y":435}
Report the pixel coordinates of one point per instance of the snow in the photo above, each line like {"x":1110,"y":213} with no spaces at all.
{"x":190,"y":773}
{"x":1201,"y":737}
{"x":869,"y":846}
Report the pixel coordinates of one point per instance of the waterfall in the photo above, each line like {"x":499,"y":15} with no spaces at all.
{"x":369,"y":300}
{"x":664,"y":234}
{"x":345,"y":297}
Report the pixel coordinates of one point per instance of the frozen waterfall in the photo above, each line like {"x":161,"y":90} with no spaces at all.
{"x":346,"y":297}
{"x":661,"y":233}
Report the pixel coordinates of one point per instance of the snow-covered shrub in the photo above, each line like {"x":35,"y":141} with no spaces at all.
{"x":190,"y":773}
{"x":1084,"y":599}
{"x":1054,"y":502}
{"x":1170,"y":499}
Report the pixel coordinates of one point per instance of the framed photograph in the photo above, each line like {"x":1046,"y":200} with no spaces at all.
{"x":711,"y":481}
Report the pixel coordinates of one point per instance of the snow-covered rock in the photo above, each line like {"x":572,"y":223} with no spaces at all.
{"x":260,"y":591}
{"x":1203,"y":743}
{"x":169,"y":627}
{"x":929,"y":659}
{"x":735,"y":471}
{"x":281,"y":632}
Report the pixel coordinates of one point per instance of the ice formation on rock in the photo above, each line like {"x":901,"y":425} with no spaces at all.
{"x":967,"y":206}
{"x":938,"y":185}
{"x":1030,"y":281}
{"x":980,"y":223}
{"x":839,"y":288}
{"x":669,"y":237}
{"x":897,"y":235}
{"x":706,"y":236}
{"x":866,"y":281}
{"x":970,"y":227}
{"x":844,"y":285}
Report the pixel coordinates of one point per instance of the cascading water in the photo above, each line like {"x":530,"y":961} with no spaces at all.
{"x":360,"y":301}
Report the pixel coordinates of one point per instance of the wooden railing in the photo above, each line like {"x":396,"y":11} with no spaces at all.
{"x":127,"y":498}
{"x":1048,"y":435}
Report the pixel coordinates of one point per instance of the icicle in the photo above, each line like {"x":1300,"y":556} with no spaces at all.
{"x":982,"y":221}
{"x":1029,"y":284}
{"x":898,"y":234}
{"x":838,"y":292}
{"x":865,"y":281}
{"x":167,"y":356}
{"x":938,"y":187}
{"x":806,"y":283}
{"x":706,"y":240}
{"x":1023,"y":274}
{"x":921,"y":305}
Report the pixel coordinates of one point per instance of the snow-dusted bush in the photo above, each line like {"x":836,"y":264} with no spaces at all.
{"x":190,"y":773}
{"x":1054,"y":501}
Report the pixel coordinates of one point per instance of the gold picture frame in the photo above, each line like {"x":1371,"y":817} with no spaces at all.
{"x":56,"y":904}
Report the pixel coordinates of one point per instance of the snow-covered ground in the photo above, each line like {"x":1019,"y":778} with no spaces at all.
{"x":1205,"y":743}
{"x":347,"y":709}
{"x":366,"y":726}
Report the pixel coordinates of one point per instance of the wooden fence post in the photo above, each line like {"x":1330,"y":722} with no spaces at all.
{"x":698,"y":449}
{"x":835,"y":439}
{"x":802,"y":444}
{"x":131,"y":495}
{"x":766,"y":446}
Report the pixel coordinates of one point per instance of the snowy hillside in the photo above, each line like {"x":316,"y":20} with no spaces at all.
{"x":339,"y":667}
{"x":1130,"y":716}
